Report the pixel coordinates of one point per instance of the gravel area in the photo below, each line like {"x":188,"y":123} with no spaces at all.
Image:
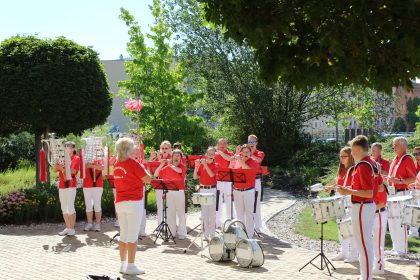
{"x":282,"y":226}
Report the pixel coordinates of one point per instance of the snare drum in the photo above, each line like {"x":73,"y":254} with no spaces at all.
{"x":325,"y":209}
{"x":395,"y":205}
{"x":416,"y":196}
{"x":249,"y":253}
{"x":218,"y":252}
{"x":204,"y":199}
{"x":345,"y":228}
{"x":411,"y":215}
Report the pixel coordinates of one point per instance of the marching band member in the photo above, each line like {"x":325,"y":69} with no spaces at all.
{"x":224,"y":189}
{"x":163,"y":154}
{"x":244,"y":196}
{"x":206,"y":170}
{"x":402,"y":173}
{"x":348,"y":251}
{"x":178,"y":146}
{"x":259,"y":157}
{"x":414,"y":231}
{"x":129,"y":177}
{"x":67,"y":189}
{"x":363,"y":190}
{"x":136,"y":155}
{"x":92,"y":192}
{"x":174,"y":170}
{"x":381,"y":214}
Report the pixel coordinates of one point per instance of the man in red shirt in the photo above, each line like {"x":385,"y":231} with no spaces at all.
{"x":402,"y":174}
{"x":174,"y":170}
{"x":362,"y":191}
{"x":224,"y":189}
{"x":206,"y":170}
{"x":376,"y":152}
{"x":259,"y":157}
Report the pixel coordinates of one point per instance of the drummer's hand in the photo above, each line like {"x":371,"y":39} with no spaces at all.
{"x":328,"y":189}
{"x":343,"y":191}
{"x":203,"y":161}
{"x":395,"y":180}
{"x":238,"y":149}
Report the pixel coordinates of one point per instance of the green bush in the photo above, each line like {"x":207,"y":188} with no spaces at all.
{"x":15,"y":148}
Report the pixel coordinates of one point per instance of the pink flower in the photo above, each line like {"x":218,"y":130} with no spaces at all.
{"x":134,"y":105}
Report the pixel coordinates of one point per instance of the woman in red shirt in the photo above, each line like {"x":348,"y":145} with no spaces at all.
{"x":67,"y":189}
{"x":129,"y":178}
{"x":244,"y":194}
{"x":92,"y":192}
{"x":206,"y":170}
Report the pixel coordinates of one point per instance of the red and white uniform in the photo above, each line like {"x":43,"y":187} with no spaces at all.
{"x":414,"y":231}
{"x":402,"y":167}
{"x":159,"y":193}
{"x":129,"y":187}
{"x":93,"y":189}
{"x":208,"y":185}
{"x":379,"y":231}
{"x":362,"y":215}
{"x":258,"y":191}
{"x":348,"y":246}
{"x":67,"y":189}
{"x":224,"y":190}
{"x":244,"y":198}
{"x":175,"y":200}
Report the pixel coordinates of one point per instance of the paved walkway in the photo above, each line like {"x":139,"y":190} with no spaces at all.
{"x":37,"y":252}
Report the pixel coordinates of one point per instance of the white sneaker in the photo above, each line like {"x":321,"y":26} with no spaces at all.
{"x":351,"y":260}
{"x":71,"y":232}
{"x":123,"y":268}
{"x":116,"y":224}
{"x":391,"y":252}
{"x":133,"y":270}
{"x":339,"y":257}
{"x":64,"y":232}
{"x":97,"y":227}
{"x":88,"y":227}
{"x":181,"y":237}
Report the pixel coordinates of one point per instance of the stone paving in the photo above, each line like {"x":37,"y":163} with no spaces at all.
{"x":37,"y":252}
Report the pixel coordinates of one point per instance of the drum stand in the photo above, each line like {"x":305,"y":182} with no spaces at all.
{"x":324,"y":259}
{"x":163,"y":230}
{"x":200,"y":235}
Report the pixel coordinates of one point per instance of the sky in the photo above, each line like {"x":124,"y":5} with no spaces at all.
{"x":87,"y":22}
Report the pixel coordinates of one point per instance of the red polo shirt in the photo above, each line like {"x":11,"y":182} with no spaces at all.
{"x":407,"y":169}
{"x":364,"y":179}
{"x":88,"y":182}
{"x":385,"y":165}
{"x":255,"y":167}
{"x":169,"y":174}
{"x":381,"y":197}
{"x":75,"y":163}
{"x":221,"y":161}
{"x":205,"y":178}
{"x":342,"y":176}
{"x":259,"y":154}
{"x":128,"y":182}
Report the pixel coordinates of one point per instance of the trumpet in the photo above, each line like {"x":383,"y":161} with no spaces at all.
{"x":58,"y":153}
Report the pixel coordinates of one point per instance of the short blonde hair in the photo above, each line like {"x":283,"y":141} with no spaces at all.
{"x":166,"y":142}
{"x":253,"y":136}
{"x":124,"y":148}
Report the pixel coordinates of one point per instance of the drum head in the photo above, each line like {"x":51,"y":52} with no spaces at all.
{"x":399,"y":198}
{"x":216,"y":249}
{"x":244,"y":253}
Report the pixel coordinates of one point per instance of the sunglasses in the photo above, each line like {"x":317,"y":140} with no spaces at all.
{"x":416,"y":154}
{"x":252,"y":142}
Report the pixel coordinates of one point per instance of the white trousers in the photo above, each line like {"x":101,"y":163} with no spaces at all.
{"x":67,"y":197}
{"x":129,"y":217}
{"x":257,"y":214}
{"x":93,"y":198}
{"x":143,"y":214}
{"x":244,"y":205}
{"x":379,"y":231}
{"x":397,"y":231}
{"x":175,"y":201}
{"x":362,"y":216}
{"x":208,"y":215}
{"x":225,"y":202}
{"x":415,"y":230}
{"x":159,"y":205}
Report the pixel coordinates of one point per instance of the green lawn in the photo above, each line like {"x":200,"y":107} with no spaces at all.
{"x":306,"y":226}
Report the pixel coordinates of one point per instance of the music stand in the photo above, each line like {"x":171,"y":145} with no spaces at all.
{"x":224,"y":174}
{"x":324,"y":258}
{"x":152,"y":166}
{"x":162,"y":229}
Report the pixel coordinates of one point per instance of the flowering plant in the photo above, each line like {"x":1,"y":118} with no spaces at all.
{"x":134,"y":105}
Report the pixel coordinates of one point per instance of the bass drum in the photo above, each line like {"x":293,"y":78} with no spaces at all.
{"x":218,"y":252}
{"x":249,"y":253}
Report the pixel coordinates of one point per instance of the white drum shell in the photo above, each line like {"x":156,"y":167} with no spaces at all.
{"x":233,"y":232}
{"x":218,"y":252}
{"x":396,"y":204}
{"x":325,"y":209}
{"x":249,"y":253}
{"x":345,"y":228}
{"x":411,"y":215}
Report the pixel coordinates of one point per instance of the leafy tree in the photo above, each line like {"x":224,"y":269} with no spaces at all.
{"x":411,"y":117}
{"x":156,"y":77}
{"x":307,"y":43}
{"x":51,"y":85}
{"x":399,"y":125}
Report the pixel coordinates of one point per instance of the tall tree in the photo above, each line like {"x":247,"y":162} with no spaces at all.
{"x":51,"y":85}
{"x":411,"y":117}
{"x":158,"y":78}
{"x":303,"y":42}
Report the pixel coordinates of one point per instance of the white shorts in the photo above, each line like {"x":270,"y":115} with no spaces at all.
{"x":93,"y":198}
{"x":129,"y":216}
{"x":67,"y":197}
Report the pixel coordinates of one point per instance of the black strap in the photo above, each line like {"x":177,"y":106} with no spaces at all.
{"x":255,"y":201}
{"x":92,"y":176}
{"x":217,"y":199}
{"x":262,"y":191}
{"x":145,"y":198}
